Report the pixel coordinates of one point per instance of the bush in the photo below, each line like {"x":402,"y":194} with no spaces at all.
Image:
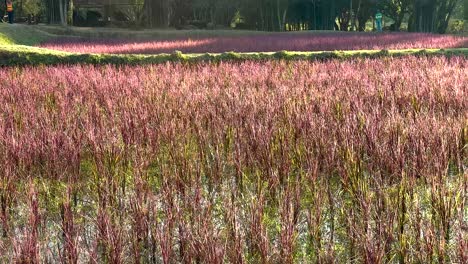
{"x":33,"y":56}
{"x":456,"y":26}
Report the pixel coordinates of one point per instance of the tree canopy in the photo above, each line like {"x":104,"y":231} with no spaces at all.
{"x":268,"y":15}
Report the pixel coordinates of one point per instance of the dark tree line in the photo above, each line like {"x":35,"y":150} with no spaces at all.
{"x":57,"y":10}
{"x":282,"y":15}
{"x":347,"y":15}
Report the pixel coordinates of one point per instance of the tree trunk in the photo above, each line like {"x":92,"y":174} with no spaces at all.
{"x":52,"y":11}
{"x":444,"y":14}
{"x":281,"y":17}
{"x":278,"y":13}
{"x":63,"y":8}
{"x":465,"y":9}
{"x":70,"y":12}
{"x":355,"y":15}
{"x":424,"y":14}
{"x":331,"y":19}
{"x":398,"y":21}
{"x":285,"y":13}
{"x":282,"y":14}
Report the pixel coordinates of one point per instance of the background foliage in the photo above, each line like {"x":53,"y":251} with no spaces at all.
{"x":270,"y":15}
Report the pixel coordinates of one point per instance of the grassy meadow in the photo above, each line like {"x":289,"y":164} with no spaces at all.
{"x":348,"y":156}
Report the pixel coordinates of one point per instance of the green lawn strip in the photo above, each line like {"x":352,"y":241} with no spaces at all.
{"x":34,"y":34}
{"x":17,"y":55}
{"x":143,"y":34}
{"x":18,"y":34}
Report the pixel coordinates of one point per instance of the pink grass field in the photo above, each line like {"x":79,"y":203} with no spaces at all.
{"x":263,"y":43}
{"x":246,"y":162}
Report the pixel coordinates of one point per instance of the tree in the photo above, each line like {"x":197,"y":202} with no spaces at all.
{"x":52,"y":11}
{"x":431,"y":15}
{"x":364,"y":13}
{"x":279,"y":15}
{"x":58,"y":11}
{"x":261,"y":14}
{"x":28,"y":7}
{"x":325,"y":13}
{"x":465,"y":10}
{"x":136,"y":12}
{"x":215,"y":12}
{"x":64,"y":11}
{"x":348,"y":9}
{"x":396,"y":10}
{"x":282,"y":7}
{"x":182,"y":12}
{"x":157,"y":13}
{"x":444,"y":13}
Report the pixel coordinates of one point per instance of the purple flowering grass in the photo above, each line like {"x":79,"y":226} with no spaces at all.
{"x":253,"y":162}
{"x":263,"y":43}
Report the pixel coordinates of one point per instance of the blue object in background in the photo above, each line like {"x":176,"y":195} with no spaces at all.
{"x":378,"y":21}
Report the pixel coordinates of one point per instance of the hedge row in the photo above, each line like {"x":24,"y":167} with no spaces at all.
{"x":23,"y":56}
